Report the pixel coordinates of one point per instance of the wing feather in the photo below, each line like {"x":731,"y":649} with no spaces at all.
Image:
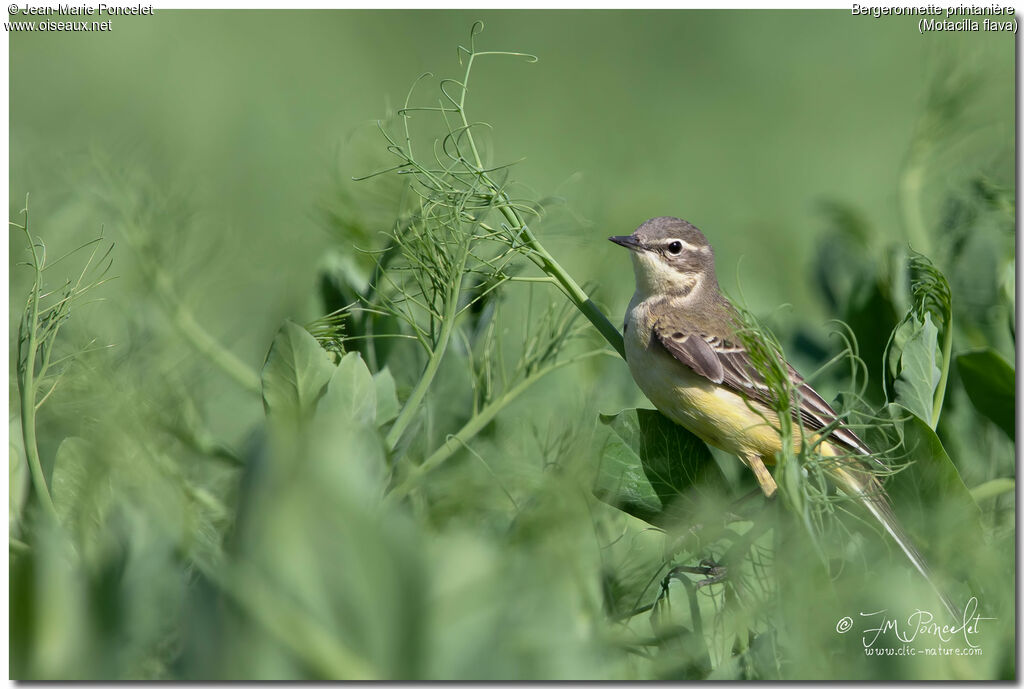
{"x":694,"y":351}
{"x":733,"y":368}
{"x":727,"y":363}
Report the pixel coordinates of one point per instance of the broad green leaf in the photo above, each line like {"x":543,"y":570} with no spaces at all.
{"x":621,"y":481}
{"x":990,"y":383}
{"x":343,"y":437}
{"x":931,"y":499}
{"x":333,"y":584}
{"x":351,"y":393}
{"x":658,"y":460}
{"x":919,"y":373}
{"x":387,"y":397}
{"x":295,"y":374}
{"x":901,"y":335}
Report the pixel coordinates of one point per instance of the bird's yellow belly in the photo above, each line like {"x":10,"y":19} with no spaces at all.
{"x":714,"y":413}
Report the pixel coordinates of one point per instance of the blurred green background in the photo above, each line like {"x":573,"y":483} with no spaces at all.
{"x":738,"y":121}
{"x":219,"y":138}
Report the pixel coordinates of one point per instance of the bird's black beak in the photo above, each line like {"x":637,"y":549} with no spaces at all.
{"x":629,"y":241}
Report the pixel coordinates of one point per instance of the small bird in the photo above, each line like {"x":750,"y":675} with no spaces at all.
{"x":684,"y":351}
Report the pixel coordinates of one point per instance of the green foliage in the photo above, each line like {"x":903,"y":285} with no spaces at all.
{"x":424,"y":481}
{"x":931,"y":499}
{"x":328,"y":580}
{"x":929,"y":482}
{"x":990,"y":382}
{"x":918,"y":375}
{"x":40,"y":366}
{"x":295,"y":375}
{"x":387,"y":397}
{"x":915,"y":358}
{"x":653,"y":466}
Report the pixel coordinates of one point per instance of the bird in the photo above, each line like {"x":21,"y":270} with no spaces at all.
{"x":684,"y":348}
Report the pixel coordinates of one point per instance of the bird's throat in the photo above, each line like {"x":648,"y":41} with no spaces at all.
{"x":655,"y":278}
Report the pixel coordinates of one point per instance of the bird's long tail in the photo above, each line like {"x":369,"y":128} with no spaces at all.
{"x":858,"y":483}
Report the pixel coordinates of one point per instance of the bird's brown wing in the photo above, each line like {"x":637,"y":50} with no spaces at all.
{"x":728,"y":363}
{"x":693,"y":350}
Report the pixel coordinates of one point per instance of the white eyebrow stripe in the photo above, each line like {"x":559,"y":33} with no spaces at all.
{"x":690,"y":247}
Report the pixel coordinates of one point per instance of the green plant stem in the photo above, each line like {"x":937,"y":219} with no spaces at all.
{"x":476,"y":424}
{"x":190,"y":328}
{"x":580,"y":298}
{"x":546,"y":262}
{"x":27,"y":384}
{"x":947,"y":350}
{"x":209,"y":347}
{"x":28,"y":430}
{"x":198,"y":337}
{"x":538,"y":254}
{"x":434,"y":362}
{"x":993,"y":488}
{"x":913,"y":180}
{"x":541,"y":256}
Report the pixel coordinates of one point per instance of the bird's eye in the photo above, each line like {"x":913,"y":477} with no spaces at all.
{"x":675,"y":247}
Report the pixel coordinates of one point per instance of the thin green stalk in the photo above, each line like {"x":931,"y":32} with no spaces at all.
{"x":947,"y":350}
{"x":544,"y":259}
{"x":198,"y":337}
{"x":912,"y":182}
{"x":190,"y":328}
{"x":437,"y":354}
{"x":27,"y":381}
{"x":992,"y":489}
{"x":572,"y":290}
{"x":537,"y":253}
{"x":209,"y":347}
{"x":546,"y":262}
{"x":475,"y":425}
{"x":28,"y":430}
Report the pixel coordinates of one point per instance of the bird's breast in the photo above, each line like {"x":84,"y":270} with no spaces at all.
{"x":714,"y":413}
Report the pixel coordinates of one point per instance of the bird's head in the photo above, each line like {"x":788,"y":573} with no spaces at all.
{"x":671,"y":257}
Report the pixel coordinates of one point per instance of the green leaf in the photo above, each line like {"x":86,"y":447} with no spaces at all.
{"x":990,"y":383}
{"x":351,"y":393}
{"x":657,"y":465}
{"x":901,"y":335}
{"x":343,"y":435}
{"x":919,"y":372}
{"x":621,"y":481}
{"x":387,"y":397}
{"x":295,"y":374}
{"x":331,"y":584}
{"x":931,"y":499}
